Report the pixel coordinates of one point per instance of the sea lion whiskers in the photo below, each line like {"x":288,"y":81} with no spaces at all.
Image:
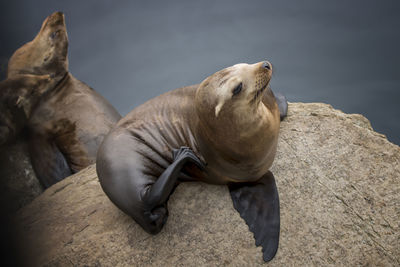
{"x":258,"y":94}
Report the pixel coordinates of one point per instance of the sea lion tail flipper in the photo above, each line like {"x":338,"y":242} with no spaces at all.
{"x":258,"y":205}
{"x":47,"y":160}
{"x":282,"y":104}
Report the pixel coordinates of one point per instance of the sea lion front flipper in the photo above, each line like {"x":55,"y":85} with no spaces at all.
{"x":258,"y":205}
{"x":160,"y":191}
{"x":282,"y":104}
{"x":47,"y":160}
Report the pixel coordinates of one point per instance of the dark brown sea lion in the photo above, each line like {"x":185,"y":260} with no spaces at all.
{"x":223,"y":131}
{"x":70,"y":121}
{"x":18,"y":97}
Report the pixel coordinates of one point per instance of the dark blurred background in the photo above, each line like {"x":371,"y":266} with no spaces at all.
{"x":345,"y":53}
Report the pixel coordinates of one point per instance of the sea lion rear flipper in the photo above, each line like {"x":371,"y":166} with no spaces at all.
{"x":48,"y":162}
{"x":282,"y":104}
{"x":258,"y":205}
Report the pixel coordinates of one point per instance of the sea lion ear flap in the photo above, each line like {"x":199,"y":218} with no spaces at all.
{"x":221,"y":102}
{"x":218,"y":107}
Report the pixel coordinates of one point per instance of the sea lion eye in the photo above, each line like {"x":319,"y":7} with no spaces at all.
{"x":237,"y":89}
{"x":54,"y":34}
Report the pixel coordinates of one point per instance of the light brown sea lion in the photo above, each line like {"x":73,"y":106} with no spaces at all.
{"x":68,"y":124}
{"x":223,"y":131}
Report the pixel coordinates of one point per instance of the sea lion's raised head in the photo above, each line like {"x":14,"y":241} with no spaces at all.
{"x":234,"y":88}
{"x":46,"y":53}
{"x":235,"y":128}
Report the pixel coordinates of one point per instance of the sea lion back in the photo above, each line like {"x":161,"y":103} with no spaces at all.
{"x":165,"y":122}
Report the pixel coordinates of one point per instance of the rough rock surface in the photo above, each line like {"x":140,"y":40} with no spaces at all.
{"x":339,"y":191}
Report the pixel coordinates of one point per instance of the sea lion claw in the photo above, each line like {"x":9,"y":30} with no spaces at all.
{"x":186,"y":152}
{"x":258,"y":205}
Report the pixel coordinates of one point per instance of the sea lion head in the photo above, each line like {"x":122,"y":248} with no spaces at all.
{"x":46,"y":53}
{"x":234,"y":88}
{"x":237,"y":132}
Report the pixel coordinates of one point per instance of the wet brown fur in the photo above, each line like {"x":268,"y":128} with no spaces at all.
{"x":70,"y":120}
{"x":18,"y":98}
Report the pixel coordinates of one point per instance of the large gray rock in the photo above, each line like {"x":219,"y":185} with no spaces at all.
{"x":339,"y":191}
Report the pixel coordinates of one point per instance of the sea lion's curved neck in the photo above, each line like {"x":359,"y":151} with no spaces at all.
{"x":63,"y":80}
{"x":59,"y":84}
{"x":233,"y":134}
{"x":238,"y":122}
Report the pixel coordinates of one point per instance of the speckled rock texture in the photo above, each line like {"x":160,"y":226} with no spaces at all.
{"x":339,"y":184}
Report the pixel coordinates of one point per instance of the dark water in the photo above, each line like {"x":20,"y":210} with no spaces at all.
{"x":345,"y":53}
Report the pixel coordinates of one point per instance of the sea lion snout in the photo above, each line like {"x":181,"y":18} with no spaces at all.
{"x":57,"y":18}
{"x":53,"y":26}
{"x":262,"y":78}
{"x":266,"y":65}
{"x":264,"y":68}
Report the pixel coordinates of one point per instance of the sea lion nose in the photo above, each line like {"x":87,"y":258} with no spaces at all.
{"x":266,"y":65}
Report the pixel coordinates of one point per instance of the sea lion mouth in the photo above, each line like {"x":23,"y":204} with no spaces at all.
{"x":57,"y":18}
